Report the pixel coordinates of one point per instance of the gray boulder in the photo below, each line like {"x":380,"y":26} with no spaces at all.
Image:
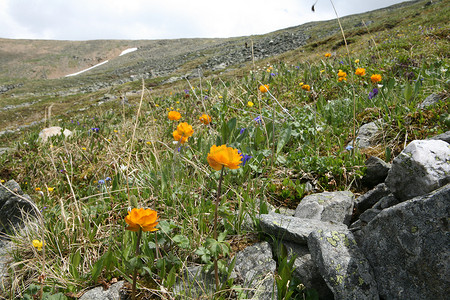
{"x":114,"y":292}
{"x":366,"y":135}
{"x":423,"y":166}
{"x":370,"y":198}
{"x":327,"y":206}
{"x":430,"y":101}
{"x":443,"y":137}
{"x":12,"y":203}
{"x":294,"y":229}
{"x":342,"y":264}
{"x":52,"y":131}
{"x":306,"y":270}
{"x":407,"y":246}
{"x":194,"y":283}
{"x":256,"y":269}
{"x":386,"y":201}
{"x":376,"y":171}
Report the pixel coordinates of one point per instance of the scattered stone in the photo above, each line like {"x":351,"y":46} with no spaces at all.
{"x":12,"y":203}
{"x":370,"y":198}
{"x":386,"y":201}
{"x":306,"y":270}
{"x":342,"y":264}
{"x":369,"y":214}
{"x":366,"y":134}
{"x":443,"y":137}
{"x":408,"y":247}
{"x":376,"y":171}
{"x":294,"y":229}
{"x":255,"y":268}
{"x":430,"y":101}
{"x":195,"y":283}
{"x":52,"y":131}
{"x":327,"y":206}
{"x":423,"y":166}
{"x":114,"y":292}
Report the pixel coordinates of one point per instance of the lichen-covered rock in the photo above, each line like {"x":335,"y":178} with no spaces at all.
{"x":294,"y":229}
{"x":342,"y":264}
{"x":306,"y":270}
{"x":422,"y":167}
{"x":327,"y":206}
{"x":256,"y":268}
{"x":407,"y":246}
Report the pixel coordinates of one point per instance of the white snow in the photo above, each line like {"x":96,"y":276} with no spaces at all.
{"x":128,"y":51}
{"x":74,"y":74}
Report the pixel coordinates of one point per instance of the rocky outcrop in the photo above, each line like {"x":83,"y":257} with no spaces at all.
{"x":46,"y":133}
{"x":407,"y":246}
{"x":420,"y":168}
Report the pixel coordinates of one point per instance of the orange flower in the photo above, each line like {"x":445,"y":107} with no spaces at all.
{"x":205,"y":119}
{"x":220,"y":156}
{"x":183,"y":132}
{"x":342,"y":78}
{"x":342,"y":73}
{"x":174,"y":115}
{"x":327,"y":54}
{"x":264,"y":88}
{"x":142,"y":219}
{"x":306,"y":87}
{"x":360,"y":71}
{"x":375,"y":78}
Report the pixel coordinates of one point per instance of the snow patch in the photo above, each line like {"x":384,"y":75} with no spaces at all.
{"x":74,"y":74}
{"x":128,"y":51}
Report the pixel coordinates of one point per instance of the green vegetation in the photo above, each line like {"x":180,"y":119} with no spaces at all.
{"x":123,"y":156}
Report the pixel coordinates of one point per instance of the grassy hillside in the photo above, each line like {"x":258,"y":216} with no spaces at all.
{"x":125,"y":154}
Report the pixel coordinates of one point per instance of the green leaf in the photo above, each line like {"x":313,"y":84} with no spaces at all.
{"x":283,"y":139}
{"x":182,"y":241}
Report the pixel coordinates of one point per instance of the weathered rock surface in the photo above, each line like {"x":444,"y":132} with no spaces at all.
{"x":430,"y":101}
{"x":327,"y":206}
{"x":255,"y":267}
{"x":376,"y":171}
{"x":52,"y":131}
{"x":423,"y":166}
{"x":113,"y":293}
{"x":12,"y":202}
{"x":342,"y":264}
{"x":370,"y":198}
{"x":408,"y":247}
{"x":294,"y":229}
{"x":306,"y":270}
{"x":195,"y":283}
{"x":443,"y":137}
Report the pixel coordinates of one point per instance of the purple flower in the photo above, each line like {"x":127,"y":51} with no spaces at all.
{"x":373,"y":93}
{"x":186,"y":91}
{"x":258,"y":119}
{"x":273,"y":74}
{"x":101,"y":181}
{"x":108,"y":179}
{"x":242,"y":131}
{"x":95,"y":129}
{"x":245,"y":158}
{"x":349,"y":147}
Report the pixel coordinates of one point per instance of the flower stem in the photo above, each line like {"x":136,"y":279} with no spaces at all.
{"x":219,"y":189}
{"x":133,"y":290}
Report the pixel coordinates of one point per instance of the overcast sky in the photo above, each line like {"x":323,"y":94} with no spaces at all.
{"x":164,"y":19}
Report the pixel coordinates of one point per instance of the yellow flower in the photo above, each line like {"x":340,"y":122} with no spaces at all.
{"x":342,"y":73}
{"x":250,"y":104}
{"x":264,"y":88}
{"x":83,"y":148}
{"x":156,"y":105}
{"x":342,"y":78}
{"x":356,"y":61}
{"x":306,"y":87}
{"x":360,"y":72}
{"x":142,"y":219}
{"x":2,"y":181}
{"x":220,"y":97}
{"x":301,"y":83}
{"x":37,"y":244}
{"x":148,"y":143}
{"x":183,"y":132}
{"x":205,"y":119}
{"x":327,"y":54}
{"x":50,"y":189}
{"x":321,"y":71}
{"x":220,"y":156}
{"x":375,"y":78}
{"x":174,"y":115}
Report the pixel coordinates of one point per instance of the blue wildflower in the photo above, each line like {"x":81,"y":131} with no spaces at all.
{"x":349,"y":147}
{"x":373,"y":93}
{"x":242,"y":131}
{"x":95,"y":129}
{"x":101,"y":181}
{"x":258,"y":119}
{"x":108,"y":178}
{"x":245,"y":157}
